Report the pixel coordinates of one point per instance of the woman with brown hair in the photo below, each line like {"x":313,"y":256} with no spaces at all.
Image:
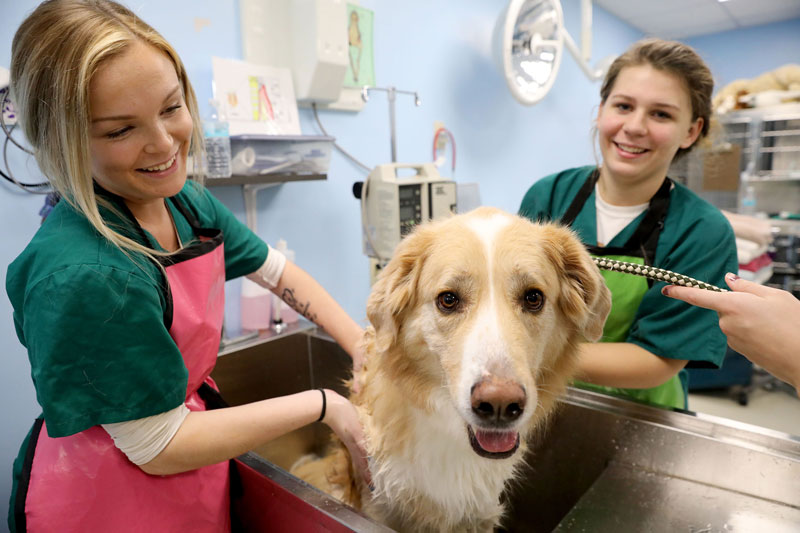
{"x":655,"y":104}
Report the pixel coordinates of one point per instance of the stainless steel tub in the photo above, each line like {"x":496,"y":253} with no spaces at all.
{"x":601,"y":464}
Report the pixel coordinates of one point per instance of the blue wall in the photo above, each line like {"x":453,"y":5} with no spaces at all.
{"x":749,"y":52}
{"x":440,"y":49}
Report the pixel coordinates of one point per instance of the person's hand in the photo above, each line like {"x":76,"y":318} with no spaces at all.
{"x":357,"y":347}
{"x":359,"y":356}
{"x":341,"y":416}
{"x":761,"y":323}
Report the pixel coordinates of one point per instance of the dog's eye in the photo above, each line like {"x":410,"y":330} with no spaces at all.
{"x":447,"y":301}
{"x":533,"y":300}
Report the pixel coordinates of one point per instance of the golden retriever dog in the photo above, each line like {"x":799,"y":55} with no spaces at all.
{"x":475,"y":328}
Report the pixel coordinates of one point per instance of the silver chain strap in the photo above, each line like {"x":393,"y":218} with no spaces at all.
{"x":656,"y":274}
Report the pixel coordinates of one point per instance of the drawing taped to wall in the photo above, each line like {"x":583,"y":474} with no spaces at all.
{"x":361,"y":70}
{"x":258,"y":99}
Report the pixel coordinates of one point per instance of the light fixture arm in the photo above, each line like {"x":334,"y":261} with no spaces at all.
{"x":583,"y":55}
{"x":586,"y":30}
{"x":593,"y":74}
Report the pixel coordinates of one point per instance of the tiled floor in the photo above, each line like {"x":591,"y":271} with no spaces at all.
{"x":777,"y":409}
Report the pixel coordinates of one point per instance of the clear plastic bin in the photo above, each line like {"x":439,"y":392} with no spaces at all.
{"x":254,"y":155}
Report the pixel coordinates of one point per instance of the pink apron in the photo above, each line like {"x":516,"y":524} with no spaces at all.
{"x":84,"y":483}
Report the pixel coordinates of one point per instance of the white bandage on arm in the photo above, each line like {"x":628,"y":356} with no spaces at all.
{"x":271,"y":271}
{"x":143,"y":439}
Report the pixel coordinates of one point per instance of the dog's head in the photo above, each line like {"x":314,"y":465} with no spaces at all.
{"x":486,"y":310}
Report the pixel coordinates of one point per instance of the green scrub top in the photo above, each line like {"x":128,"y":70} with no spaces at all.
{"x":696,"y":240}
{"x":93,"y":319}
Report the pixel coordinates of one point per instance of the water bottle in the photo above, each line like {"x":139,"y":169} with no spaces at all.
{"x":255,"y":306}
{"x":748,"y":201}
{"x":218,"y":143}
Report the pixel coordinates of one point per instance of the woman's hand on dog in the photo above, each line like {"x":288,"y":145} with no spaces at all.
{"x":341,"y":416}
{"x":358,"y":364}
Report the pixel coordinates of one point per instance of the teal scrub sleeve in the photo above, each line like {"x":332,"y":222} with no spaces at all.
{"x":99,"y":349}
{"x":245,"y":251}
{"x":671,"y":328}
{"x":536,"y":204}
{"x":549,"y":198}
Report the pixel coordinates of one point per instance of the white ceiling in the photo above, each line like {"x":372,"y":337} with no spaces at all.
{"x":679,"y":19}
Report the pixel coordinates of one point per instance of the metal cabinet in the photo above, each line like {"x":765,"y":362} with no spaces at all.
{"x":767,"y":145}
{"x":770,"y":166}
{"x":770,"y":162}
{"x":766,"y":142}
{"x":778,"y":154}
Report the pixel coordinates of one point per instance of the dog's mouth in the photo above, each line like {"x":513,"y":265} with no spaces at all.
{"x":493,"y":444}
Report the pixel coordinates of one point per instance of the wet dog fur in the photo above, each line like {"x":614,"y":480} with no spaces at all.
{"x":475,"y":328}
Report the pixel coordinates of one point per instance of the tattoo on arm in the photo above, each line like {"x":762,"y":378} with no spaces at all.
{"x":290,"y":299}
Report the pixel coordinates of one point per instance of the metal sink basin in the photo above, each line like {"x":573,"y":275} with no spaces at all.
{"x":601,"y":464}
{"x":606,"y":464}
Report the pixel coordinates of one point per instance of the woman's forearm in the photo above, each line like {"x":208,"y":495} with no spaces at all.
{"x":209,"y":437}
{"x":306,"y":296}
{"x":625,"y":365}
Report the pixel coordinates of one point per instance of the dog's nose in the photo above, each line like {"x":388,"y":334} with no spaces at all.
{"x":497,"y":400}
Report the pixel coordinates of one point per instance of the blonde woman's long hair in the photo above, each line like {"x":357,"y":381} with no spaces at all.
{"x":54,"y":54}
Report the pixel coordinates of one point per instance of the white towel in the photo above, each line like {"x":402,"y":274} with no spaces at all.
{"x":754,"y":229}
{"x":749,"y":250}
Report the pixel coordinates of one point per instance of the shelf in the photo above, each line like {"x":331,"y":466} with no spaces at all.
{"x":769,"y":176}
{"x":264,"y":178}
{"x":727,"y":120}
{"x":779,"y":149}
{"x":780,"y":133}
{"x":265,"y":335}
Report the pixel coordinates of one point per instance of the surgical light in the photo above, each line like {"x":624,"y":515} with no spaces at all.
{"x":528,"y":40}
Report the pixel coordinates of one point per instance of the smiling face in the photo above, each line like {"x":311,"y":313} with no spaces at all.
{"x":646,"y":118}
{"x":140,"y":128}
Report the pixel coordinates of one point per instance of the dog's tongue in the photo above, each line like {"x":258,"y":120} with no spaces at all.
{"x":496,"y":441}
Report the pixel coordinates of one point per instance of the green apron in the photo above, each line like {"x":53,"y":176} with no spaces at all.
{"x":627,"y":291}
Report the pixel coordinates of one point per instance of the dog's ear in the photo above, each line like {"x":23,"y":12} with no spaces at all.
{"x":395,"y":289}
{"x":584,"y":297}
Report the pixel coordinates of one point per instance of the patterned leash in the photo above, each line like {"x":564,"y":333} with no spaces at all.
{"x":656,"y":274}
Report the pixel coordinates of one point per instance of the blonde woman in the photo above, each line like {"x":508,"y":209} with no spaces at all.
{"x":119,"y":296}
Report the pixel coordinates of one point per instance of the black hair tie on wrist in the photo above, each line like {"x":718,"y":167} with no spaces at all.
{"x":324,"y":405}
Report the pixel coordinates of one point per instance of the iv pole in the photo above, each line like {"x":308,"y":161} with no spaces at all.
{"x":392,"y":96}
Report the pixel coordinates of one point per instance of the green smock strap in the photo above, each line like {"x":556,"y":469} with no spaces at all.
{"x":627,"y":293}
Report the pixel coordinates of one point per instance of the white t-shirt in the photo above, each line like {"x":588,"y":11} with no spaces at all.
{"x":611,"y":219}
